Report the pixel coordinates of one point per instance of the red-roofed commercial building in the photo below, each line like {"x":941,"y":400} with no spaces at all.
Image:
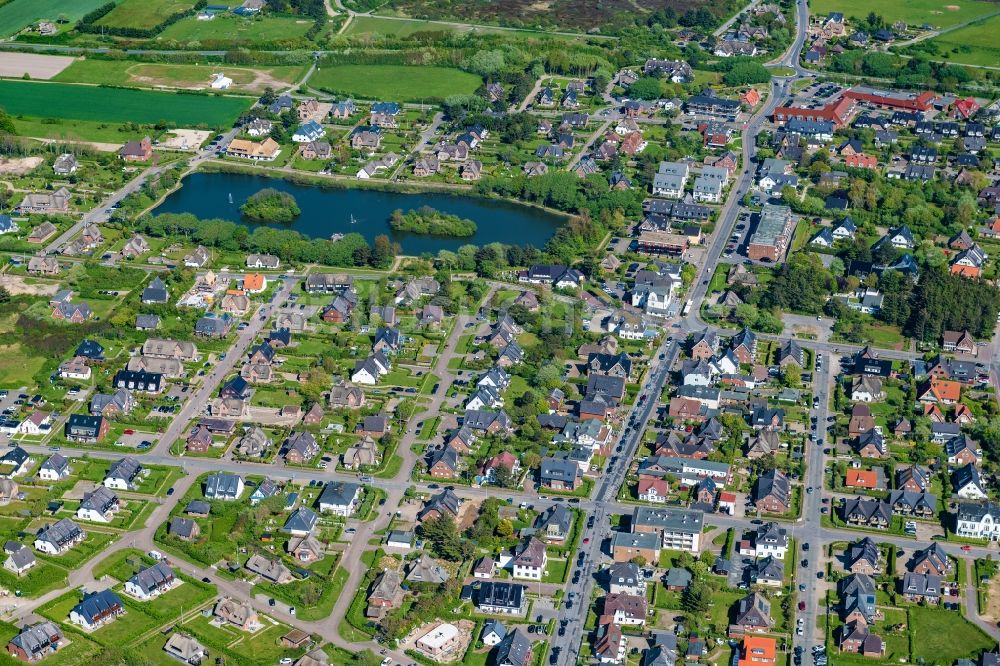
{"x":839,"y":112}
{"x":892,"y":99}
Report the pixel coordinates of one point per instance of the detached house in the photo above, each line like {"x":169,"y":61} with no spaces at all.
{"x":529,"y":559}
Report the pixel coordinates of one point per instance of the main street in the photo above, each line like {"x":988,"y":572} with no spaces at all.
{"x":573,"y":613}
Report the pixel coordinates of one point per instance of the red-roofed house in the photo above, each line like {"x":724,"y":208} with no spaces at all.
{"x":861,"y":161}
{"x":653,"y":489}
{"x":861,"y":478}
{"x":751,"y":98}
{"x":966,"y":108}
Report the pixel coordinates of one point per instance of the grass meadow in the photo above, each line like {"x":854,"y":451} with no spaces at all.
{"x":937,"y":13}
{"x":143,"y":13}
{"x":400,"y":83}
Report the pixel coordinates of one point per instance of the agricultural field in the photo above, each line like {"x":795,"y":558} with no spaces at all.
{"x":18,"y":14}
{"x":163,"y":75}
{"x":938,"y":13}
{"x":143,"y":13}
{"x":974,"y":44}
{"x":62,"y":101}
{"x":238,"y":30}
{"x":35,"y":65}
{"x":395,"y":82}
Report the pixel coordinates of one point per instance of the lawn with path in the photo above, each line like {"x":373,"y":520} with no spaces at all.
{"x":170,"y":75}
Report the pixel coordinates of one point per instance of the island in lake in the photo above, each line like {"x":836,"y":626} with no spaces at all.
{"x":431,"y":222}
{"x":271,"y":205}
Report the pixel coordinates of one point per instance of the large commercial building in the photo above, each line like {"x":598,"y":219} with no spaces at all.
{"x":679,"y":529}
{"x":773,"y":235}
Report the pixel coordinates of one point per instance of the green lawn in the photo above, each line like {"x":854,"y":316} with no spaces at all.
{"x":395,"y":82}
{"x":975,"y":44}
{"x":943,"y":636}
{"x":18,"y":14}
{"x":16,"y":367}
{"x":915,"y":12}
{"x":59,"y":100}
{"x":143,"y":13}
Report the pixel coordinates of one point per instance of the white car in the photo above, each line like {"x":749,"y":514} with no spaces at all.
{"x":386,"y":661}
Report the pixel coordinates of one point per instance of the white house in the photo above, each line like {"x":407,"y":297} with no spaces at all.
{"x":529,"y":559}
{"x":340,"y":498}
{"x":54,"y":469}
{"x":123,"y":474}
{"x":371,"y":369}
{"x":58,"y":537}
{"x":99,"y":506}
{"x":35,"y":423}
{"x":978,"y":520}
{"x":151,"y":582}
{"x":220,"y":81}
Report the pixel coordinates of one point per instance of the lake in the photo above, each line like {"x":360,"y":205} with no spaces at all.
{"x":326,"y":211}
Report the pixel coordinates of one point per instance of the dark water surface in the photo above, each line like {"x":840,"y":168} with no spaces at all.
{"x":326,"y":211}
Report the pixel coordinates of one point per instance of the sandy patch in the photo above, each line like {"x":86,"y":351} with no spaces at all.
{"x":34,"y":65}
{"x":16,"y":285}
{"x":952,"y":8}
{"x":992,"y":610}
{"x":19,"y":166}
{"x":96,"y":145}
{"x":184,"y":139}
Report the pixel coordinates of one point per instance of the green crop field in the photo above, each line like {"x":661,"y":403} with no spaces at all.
{"x":235,"y":29}
{"x":143,"y":13}
{"x":395,"y":82}
{"x":974,"y":44}
{"x":165,"y":75}
{"x":18,"y":14}
{"x":111,"y":105}
{"x":937,"y":13}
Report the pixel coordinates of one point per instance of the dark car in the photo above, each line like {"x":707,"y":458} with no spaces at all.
{"x":206,"y":579}
{"x":270,"y":602}
{"x":170,"y":491}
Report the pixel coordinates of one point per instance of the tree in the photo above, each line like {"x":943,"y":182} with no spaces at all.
{"x":443,"y":536}
{"x":746,"y":73}
{"x":639,"y":561}
{"x":792,"y":374}
{"x":647,"y":87}
{"x":503,"y":476}
{"x":697,"y":598}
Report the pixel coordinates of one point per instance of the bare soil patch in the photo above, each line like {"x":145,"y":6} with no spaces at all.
{"x":17,"y":284}
{"x":19,"y":166}
{"x":992,"y":610}
{"x":33,"y":64}
{"x":185,"y":139}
